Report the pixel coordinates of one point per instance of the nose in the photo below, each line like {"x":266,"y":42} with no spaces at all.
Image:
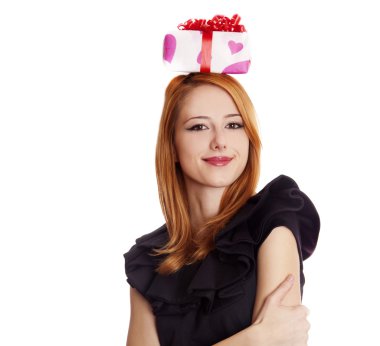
{"x":218,"y":141}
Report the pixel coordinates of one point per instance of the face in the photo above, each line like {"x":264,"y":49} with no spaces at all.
{"x":210,"y":141}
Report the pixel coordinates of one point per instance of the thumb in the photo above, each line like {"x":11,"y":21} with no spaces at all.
{"x":280,"y":292}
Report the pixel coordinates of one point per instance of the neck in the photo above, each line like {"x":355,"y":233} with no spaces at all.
{"x":204,"y":203}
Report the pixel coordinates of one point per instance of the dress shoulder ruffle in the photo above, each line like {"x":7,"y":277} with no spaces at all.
{"x":217,"y":280}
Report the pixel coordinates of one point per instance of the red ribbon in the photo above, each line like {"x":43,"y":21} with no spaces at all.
{"x":218,"y":23}
{"x":206,"y":51}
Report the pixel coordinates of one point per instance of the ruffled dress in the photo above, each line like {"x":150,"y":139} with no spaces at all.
{"x":210,"y":300}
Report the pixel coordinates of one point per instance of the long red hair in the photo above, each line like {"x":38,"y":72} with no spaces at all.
{"x":183,"y":246}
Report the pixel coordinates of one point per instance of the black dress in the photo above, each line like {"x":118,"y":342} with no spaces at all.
{"x":213,"y":299}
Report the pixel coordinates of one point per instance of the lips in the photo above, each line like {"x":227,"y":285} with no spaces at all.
{"x":218,"y":160}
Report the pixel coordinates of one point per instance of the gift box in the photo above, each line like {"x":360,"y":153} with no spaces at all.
{"x":219,"y":45}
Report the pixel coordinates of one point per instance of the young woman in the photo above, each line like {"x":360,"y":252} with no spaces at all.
{"x":215,"y":272}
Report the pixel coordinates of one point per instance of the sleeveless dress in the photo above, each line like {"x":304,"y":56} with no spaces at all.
{"x":213,"y":299}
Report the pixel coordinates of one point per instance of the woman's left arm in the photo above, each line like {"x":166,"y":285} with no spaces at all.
{"x":277,"y":257}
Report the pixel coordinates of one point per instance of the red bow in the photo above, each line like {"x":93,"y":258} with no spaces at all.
{"x":218,"y":23}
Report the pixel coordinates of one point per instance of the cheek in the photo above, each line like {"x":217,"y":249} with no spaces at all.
{"x":244,"y":149}
{"x":242,"y":143}
{"x":189,"y":147}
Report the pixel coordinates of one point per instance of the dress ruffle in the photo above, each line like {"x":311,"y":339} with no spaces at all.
{"x":218,"y":280}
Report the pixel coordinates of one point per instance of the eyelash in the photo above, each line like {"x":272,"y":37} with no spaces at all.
{"x":197,"y":126}
{"x":238,"y":125}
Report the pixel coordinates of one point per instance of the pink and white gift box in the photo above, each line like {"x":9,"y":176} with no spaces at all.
{"x":207,"y":51}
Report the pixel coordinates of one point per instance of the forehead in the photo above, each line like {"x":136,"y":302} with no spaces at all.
{"x":208,"y":100}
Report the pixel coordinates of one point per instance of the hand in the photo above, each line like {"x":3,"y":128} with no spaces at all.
{"x":281,"y":325}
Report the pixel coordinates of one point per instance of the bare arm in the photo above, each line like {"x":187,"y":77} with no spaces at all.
{"x":142,"y":328}
{"x":272,"y":323}
{"x":277,"y":257}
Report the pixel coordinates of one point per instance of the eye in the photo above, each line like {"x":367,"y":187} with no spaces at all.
{"x":235,"y":125}
{"x":198,"y":127}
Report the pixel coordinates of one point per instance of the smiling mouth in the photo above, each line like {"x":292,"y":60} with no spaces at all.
{"x":218,"y":160}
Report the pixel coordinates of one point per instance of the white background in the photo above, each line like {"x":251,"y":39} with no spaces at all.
{"x":81,"y":90}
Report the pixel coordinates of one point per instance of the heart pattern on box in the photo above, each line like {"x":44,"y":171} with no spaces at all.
{"x":199,"y":58}
{"x":170,"y":44}
{"x":235,"y":47}
{"x":238,"y":67}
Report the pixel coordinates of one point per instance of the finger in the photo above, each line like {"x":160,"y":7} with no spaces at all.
{"x":302,"y":309}
{"x":280,"y":292}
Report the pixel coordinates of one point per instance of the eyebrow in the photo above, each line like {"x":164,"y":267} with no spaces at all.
{"x":206,"y":117}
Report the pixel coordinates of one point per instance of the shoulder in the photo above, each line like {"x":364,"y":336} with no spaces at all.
{"x":140,"y":264}
{"x":280,"y":202}
{"x":147,"y":241}
{"x":279,"y":184}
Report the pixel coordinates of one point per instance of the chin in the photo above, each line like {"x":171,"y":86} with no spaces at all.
{"x":220,"y":183}
{"x":222,"y":179}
